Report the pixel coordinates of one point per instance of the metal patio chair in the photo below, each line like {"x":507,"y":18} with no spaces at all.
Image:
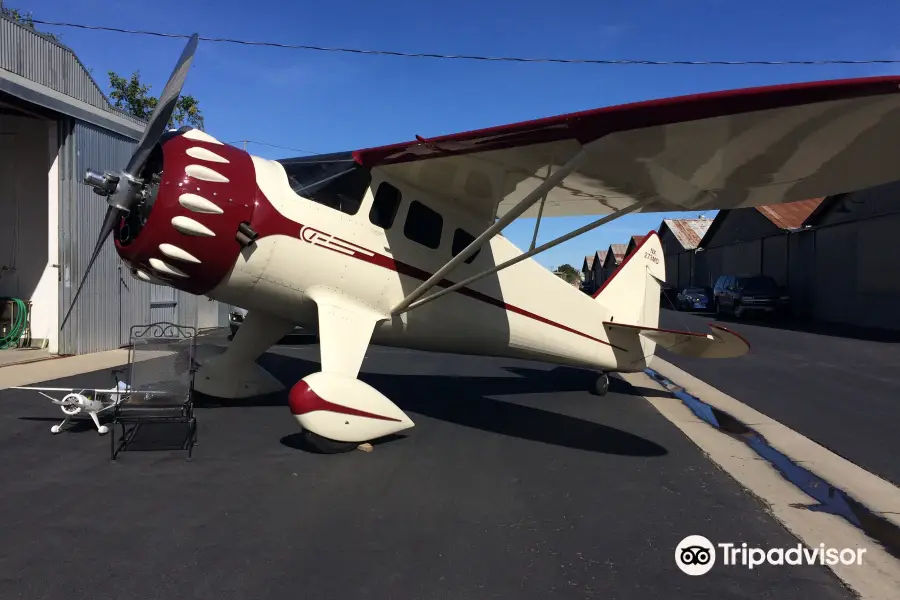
{"x":160,"y":372}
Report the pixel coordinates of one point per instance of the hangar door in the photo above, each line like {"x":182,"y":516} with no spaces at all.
{"x":835,"y":275}
{"x":875,"y":301}
{"x":27,"y":272}
{"x":8,"y":202}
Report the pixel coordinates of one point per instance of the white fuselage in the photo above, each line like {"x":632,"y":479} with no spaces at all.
{"x":523,"y":311}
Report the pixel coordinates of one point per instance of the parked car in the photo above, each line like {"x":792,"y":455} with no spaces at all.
{"x":738,"y":295}
{"x":693,"y":298}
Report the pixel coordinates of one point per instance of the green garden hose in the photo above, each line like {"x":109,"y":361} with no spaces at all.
{"x":11,"y":339}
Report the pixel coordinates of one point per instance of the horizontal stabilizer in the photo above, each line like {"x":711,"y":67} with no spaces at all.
{"x":720,"y":343}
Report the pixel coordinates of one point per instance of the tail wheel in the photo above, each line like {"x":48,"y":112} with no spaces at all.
{"x":323,"y":445}
{"x":601,"y":387}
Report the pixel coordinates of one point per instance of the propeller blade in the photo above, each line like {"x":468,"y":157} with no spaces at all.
{"x":113,"y":215}
{"x":163,"y":110}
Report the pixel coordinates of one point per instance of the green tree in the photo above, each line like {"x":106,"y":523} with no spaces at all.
{"x":568,"y":269}
{"x":134,"y":97}
{"x":567,"y":272}
{"x":24,"y":19}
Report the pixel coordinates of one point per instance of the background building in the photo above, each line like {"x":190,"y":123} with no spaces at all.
{"x":633,"y":244}
{"x":751,"y":241}
{"x":587,"y":274}
{"x":55,"y":123}
{"x":592,"y":270}
{"x":679,"y":239}
{"x":844,"y":261}
{"x":615,"y":254}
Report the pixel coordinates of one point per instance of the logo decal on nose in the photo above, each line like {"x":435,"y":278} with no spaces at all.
{"x":336,"y":244}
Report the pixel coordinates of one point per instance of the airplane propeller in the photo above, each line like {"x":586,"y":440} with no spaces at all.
{"x":124,"y":190}
{"x":71,"y":404}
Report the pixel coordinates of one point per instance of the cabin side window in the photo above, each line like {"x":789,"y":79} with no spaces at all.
{"x":461,"y":239}
{"x":423,"y":225}
{"x":385,"y":205}
{"x":335,"y":181}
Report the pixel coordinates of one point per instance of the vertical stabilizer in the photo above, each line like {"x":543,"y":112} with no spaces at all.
{"x":632,"y":292}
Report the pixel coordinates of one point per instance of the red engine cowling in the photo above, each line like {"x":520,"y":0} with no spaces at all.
{"x":187,"y":237}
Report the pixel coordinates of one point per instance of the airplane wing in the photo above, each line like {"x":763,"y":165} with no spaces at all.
{"x":723,"y":150}
{"x":84,"y":390}
{"x":55,"y":389}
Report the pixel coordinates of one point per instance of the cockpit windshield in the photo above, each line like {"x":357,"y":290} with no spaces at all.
{"x":335,"y":180}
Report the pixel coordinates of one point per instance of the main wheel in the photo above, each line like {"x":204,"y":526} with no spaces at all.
{"x":323,"y":445}
{"x":602,"y":386}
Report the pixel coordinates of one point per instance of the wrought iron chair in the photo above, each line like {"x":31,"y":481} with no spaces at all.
{"x":160,"y":372}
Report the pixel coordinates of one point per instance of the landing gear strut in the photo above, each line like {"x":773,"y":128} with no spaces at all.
{"x":602,"y":386}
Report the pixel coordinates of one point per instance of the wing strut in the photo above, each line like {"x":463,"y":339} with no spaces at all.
{"x":555,"y":242}
{"x":537,"y":223}
{"x":526,"y":203}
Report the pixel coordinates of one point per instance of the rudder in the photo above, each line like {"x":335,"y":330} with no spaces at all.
{"x":632,"y":292}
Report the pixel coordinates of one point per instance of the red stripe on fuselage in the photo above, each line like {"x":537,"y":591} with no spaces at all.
{"x":411,"y":271}
{"x":268,"y":221}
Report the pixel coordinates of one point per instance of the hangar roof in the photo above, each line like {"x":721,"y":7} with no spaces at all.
{"x":791,"y":215}
{"x":38,"y":69}
{"x":688,"y":232}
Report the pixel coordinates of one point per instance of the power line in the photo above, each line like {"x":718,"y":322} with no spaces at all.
{"x":471,"y":57}
{"x":245,"y":142}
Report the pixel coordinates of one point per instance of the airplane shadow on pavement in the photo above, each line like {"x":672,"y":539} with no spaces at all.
{"x":466,"y":401}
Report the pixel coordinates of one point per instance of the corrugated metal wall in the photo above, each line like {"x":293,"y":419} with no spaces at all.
{"x":186,"y":310}
{"x":685,"y":268}
{"x":112,"y":300}
{"x":44,"y":61}
{"x":163,"y":304}
{"x":94,"y":324}
{"x":774,"y":258}
{"x":208,"y":313}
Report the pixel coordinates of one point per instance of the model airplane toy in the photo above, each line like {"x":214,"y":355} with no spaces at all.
{"x":352,"y":243}
{"x":78,"y":403}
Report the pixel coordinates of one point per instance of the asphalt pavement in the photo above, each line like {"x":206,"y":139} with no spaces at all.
{"x":835,"y":385}
{"x":515,"y":483}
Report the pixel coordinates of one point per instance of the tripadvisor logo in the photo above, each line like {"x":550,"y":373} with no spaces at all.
{"x":696,"y":555}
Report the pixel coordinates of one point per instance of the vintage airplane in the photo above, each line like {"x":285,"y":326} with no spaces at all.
{"x":350,"y":244}
{"x":79,"y":403}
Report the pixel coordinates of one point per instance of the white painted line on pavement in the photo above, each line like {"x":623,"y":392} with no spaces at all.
{"x":881,"y":497}
{"x":877,"y":578}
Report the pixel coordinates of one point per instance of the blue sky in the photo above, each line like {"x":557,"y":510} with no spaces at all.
{"x":324,"y":102}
